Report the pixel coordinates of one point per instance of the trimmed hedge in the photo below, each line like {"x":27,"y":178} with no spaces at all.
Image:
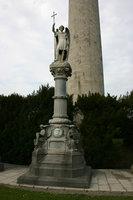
{"x":106,"y":130}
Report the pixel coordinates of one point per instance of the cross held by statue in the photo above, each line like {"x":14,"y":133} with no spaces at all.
{"x":53,"y":16}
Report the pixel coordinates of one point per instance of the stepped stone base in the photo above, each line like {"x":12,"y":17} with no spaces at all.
{"x":58,"y":169}
{"x":77,"y":182}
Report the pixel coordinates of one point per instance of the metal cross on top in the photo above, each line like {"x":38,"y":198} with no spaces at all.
{"x":53,"y":16}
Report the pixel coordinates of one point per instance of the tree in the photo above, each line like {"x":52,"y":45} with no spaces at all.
{"x":103,"y":130}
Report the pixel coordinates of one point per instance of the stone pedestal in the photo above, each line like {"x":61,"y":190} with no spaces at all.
{"x":57,"y":159}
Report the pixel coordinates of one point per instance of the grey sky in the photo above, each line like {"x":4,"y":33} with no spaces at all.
{"x":26,"y":43}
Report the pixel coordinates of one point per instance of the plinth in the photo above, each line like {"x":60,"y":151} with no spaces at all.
{"x":57,"y":159}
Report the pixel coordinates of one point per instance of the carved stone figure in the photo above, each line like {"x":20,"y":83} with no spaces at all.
{"x":40,"y":137}
{"x":73,"y":138}
{"x":40,"y":144}
{"x":62,"y":43}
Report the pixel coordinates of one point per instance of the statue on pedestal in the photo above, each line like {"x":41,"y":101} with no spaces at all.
{"x":57,"y":159}
{"x":62,"y":43}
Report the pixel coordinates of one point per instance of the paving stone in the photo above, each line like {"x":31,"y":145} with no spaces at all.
{"x":109,"y":174}
{"x":127,"y":185}
{"x":115,"y":187}
{"x":13,"y":183}
{"x":112,"y":181}
{"x":104,"y":188}
{"x":93,"y":187}
{"x":94,"y":180}
{"x":7,"y":181}
{"x":102,"y":181}
{"x":127,"y":174}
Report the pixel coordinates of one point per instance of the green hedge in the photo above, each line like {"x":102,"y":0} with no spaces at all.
{"x":106,"y":130}
{"x":20,"y":120}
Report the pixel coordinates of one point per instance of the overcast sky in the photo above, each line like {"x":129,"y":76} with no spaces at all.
{"x":26,"y":43}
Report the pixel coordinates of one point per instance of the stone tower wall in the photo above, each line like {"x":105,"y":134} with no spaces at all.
{"x":85,"y":54}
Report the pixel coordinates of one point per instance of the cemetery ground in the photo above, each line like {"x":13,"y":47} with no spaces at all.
{"x":8,"y":193}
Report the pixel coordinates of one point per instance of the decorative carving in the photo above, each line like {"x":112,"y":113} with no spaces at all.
{"x":40,"y":143}
{"x":40,"y":137}
{"x":58,"y":133}
{"x":59,"y":120}
{"x":73,"y":137}
{"x":60,"y":69}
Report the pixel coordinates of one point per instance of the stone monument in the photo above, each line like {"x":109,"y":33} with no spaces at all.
{"x":85,"y":51}
{"x":57,"y":159}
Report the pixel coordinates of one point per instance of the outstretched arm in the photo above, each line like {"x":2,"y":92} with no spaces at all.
{"x":53,"y":28}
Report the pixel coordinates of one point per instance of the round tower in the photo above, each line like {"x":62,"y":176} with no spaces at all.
{"x":85,"y":54}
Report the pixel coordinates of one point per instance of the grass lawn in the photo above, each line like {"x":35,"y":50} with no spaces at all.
{"x":7,"y":193}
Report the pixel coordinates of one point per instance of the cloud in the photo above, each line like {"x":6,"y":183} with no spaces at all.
{"x":26,"y":43}
{"x":117,"y":40}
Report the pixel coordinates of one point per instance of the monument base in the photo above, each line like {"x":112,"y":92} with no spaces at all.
{"x":77,"y":182}
{"x":58,"y":160}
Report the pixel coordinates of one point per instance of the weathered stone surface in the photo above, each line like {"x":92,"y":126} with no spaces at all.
{"x":58,"y":160}
{"x":58,"y":68}
{"x":61,"y":71}
{"x":74,"y":182}
{"x":85,"y":54}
